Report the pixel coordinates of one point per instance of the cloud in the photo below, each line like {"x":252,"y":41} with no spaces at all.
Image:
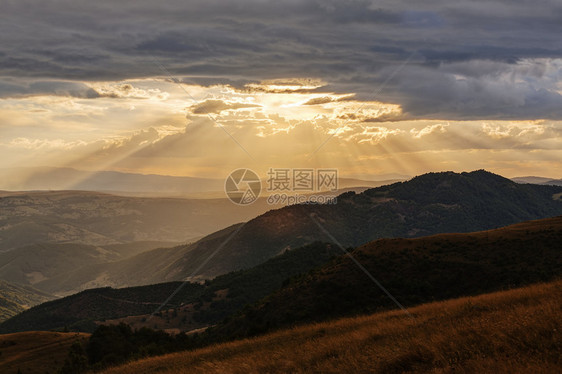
{"x":428,"y":130}
{"x":477,"y":90}
{"x":129,"y":91}
{"x":217,"y":106}
{"x":470,"y":59}
{"x":38,"y":144}
{"x":81,"y":90}
{"x":11,"y":88}
{"x":319,"y":100}
{"x":286,"y":85}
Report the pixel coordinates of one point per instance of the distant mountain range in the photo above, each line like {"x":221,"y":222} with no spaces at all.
{"x":538,"y":180}
{"x":429,"y":204}
{"x":46,"y":178}
{"x":142,"y":185}
{"x":94,"y":218}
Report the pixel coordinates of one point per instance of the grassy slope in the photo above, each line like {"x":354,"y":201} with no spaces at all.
{"x":505,"y":332}
{"x":16,"y":298}
{"x":417,"y":270}
{"x":36,"y":351}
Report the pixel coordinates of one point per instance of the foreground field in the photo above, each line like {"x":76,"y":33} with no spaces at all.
{"x":35,"y":352}
{"x":517,"y":331}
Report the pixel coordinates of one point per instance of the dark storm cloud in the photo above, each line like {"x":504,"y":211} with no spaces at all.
{"x":213,"y":81}
{"x":58,"y":88}
{"x":465,"y":51}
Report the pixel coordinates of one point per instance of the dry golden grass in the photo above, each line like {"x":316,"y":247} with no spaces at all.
{"x":35,"y":352}
{"x":517,"y":331}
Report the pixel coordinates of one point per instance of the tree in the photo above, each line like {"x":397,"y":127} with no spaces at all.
{"x":76,"y":362}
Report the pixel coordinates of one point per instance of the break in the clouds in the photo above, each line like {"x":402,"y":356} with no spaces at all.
{"x":193,"y":87}
{"x":466,"y":60}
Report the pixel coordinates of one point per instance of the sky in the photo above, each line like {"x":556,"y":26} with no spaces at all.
{"x":200,"y":88}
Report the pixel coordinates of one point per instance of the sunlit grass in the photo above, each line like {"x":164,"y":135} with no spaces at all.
{"x":505,"y":332}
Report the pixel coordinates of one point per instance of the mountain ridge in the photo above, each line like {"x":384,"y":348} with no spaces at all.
{"x":428,"y":204}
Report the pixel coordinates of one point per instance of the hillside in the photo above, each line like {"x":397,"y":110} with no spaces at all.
{"x":149,"y":267}
{"x":429,"y":204}
{"x":101,"y":219}
{"x":425,"y":205}
{"x":195,"y":306}
{"x":414,"y":271}
{"x":36,"y":351}
{"x":517,"y":331}
{"x":229,"y":293}
{"x":78,"y":312}
{"x":17,"y":298}
{"x":35,"y":264}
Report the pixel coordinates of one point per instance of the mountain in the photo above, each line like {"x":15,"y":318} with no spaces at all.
{"x":429,"y":204}
{"x":538,"y":180}
{"x":413,"y":271}
{"x":95,"y":218}
{"x":531,"y":179}
{"x":144,"y":185}
{"x":16,"y":298}
{"x":515,"y":331}
{"x":149,"y":267}
{"x":101,"y":219}
{"x":348,"y":184}
{"x":27,"y":179}
{"x":554,"y":182}
{"x":196,"y":305}
{"x":36,"y":263}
